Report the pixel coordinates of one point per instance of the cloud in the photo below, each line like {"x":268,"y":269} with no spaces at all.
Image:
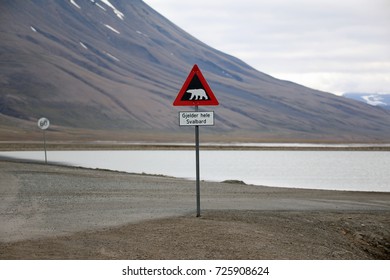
{"x":330,"y":45}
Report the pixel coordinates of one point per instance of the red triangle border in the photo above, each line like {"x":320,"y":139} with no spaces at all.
{"x":209,"y":102}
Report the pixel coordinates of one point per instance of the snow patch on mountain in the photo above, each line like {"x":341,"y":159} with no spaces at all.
{"x":375,"y":100}
{"x":75,"y":4}
{"x":101,"y":7}
{"x":112,"y":28}
{"x":118,"y":13}
{"x":84,"y":46}
{"x":111,"y":56}
{"x":140,"y":33}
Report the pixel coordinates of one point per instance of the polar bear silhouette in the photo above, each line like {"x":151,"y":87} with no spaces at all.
{"x":197,"y":94}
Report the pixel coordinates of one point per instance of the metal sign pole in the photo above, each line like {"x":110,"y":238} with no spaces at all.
{"x":196,"y":92}
{"x":44,"y":145}
{"x":44,"y":124}
{"x":197,"y":168}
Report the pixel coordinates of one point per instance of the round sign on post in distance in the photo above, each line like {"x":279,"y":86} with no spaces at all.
{"x":43,"y":123}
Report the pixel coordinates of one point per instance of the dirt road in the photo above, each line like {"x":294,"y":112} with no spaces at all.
{"x":56,"y":212}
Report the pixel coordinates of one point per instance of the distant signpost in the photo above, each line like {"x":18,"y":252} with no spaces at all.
{"x":44,"y":123}
{"x":196,"y":92}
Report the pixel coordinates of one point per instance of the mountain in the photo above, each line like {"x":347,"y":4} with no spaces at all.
{"x":374,"y":99}
{"x":111,"y":69}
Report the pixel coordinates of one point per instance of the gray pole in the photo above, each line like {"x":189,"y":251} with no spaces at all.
{"x":44,"y":145}
{"x":197,"y":168}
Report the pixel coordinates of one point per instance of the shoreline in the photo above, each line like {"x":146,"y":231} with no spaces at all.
{"x":101,"y":145}
{"x":60,"y":212}
{"x":228,"y":181}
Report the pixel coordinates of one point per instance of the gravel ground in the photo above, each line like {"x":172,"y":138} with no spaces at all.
{"x":57,"y":212}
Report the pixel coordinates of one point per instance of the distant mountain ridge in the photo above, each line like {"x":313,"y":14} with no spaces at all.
{"x":118,"y":65}
{"x":374,"y":99}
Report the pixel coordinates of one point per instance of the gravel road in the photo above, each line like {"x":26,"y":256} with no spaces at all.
{"x":44,"y":200}
{"x":58,"y":212}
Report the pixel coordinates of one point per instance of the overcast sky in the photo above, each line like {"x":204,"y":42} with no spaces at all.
{"x":331,"y":45}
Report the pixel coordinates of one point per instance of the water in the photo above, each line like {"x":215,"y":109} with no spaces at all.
{"x":336,"y":170}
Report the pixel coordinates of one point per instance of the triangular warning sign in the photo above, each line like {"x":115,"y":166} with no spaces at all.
{"x":195,"y":91}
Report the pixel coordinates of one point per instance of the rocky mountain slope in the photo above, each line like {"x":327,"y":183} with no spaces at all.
{"x":98,"y":65}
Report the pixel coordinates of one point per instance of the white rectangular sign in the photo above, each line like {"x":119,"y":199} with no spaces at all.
{"x":196,"y":118}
